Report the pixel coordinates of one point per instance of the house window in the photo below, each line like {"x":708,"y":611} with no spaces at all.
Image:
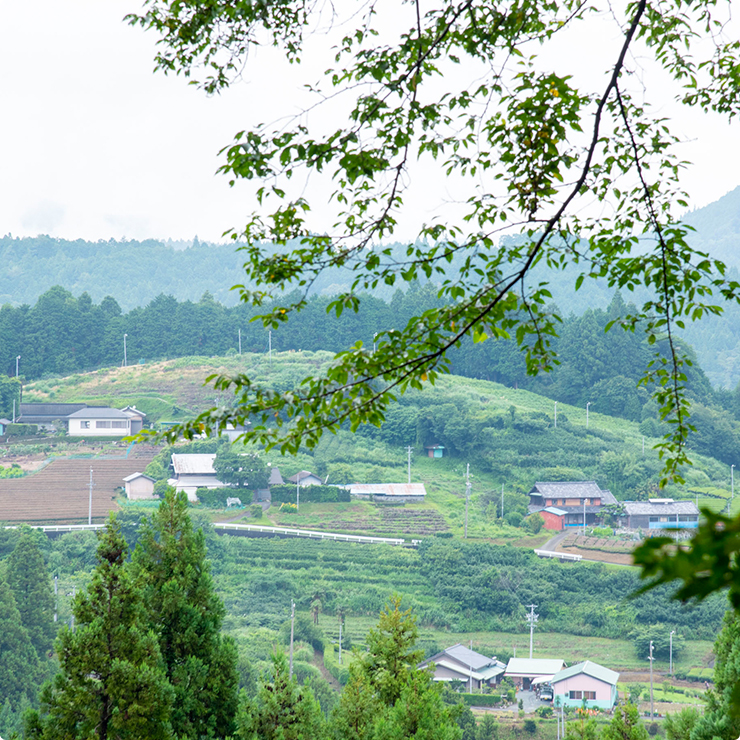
{"x":102,"y":425}
{"x":590,"y":695}
{"x":575,"y":695}
{"x":118,"y":424}
{"x":84,"y":425}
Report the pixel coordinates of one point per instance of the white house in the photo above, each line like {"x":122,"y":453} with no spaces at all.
{"x":139,"y":486}
{"x":459,"y":663}
{"x":97,"y":421}
{"x":523,"y":671}
{"x":193,"y":472}
{"x":306,"y":478}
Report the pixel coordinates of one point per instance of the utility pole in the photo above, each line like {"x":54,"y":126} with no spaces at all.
{"x":17,"y":359}
{"x":72,"y":619}
{"x":670,"y":665}
{"x":89,"y":503}
{"x":532,"y":619}
{"x":292,"y":624}
{"x":732,"y":481}
{"x":269,"y":345}
{"x":408,"y":452}
{"x":14,"y":411}
{"x":340,"y":638}
{"x":587,"y":405}
{"x":56,"y":598}
{"x":467,"y":499}
{"x":374,"y":338}
{"x":125,"y":356}
{"x":556,"y":414}
{"x":502,"y":500}
{"x":298,"y":492}
{"x":240,"y":342}
{"x":584,"y":517}
{"x":652,"y":708}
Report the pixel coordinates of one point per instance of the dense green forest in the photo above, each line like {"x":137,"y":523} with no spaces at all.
{"x":61,"y":335}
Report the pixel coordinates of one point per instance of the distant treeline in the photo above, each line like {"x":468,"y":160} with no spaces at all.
{"x":63,"y":335}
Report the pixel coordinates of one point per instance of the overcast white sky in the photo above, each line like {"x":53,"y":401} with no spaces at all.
{"x":95,"y":145}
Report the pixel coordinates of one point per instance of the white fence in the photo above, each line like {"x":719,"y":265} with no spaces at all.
{"x":557,"y":555}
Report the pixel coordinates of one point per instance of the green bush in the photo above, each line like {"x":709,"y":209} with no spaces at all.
{"x":256,"y":511}
{"x":286,"y":494}
{"x":340,"y":672}
{"x":481,"y":700}
{"x":289,"y":508}
{"x":21,"y":430}
{"x":530,"y":726}
{"x":215,"y":498}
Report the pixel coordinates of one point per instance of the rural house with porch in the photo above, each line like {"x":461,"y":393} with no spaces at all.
{"x":565,"y":504}
{"x":458,"y":663}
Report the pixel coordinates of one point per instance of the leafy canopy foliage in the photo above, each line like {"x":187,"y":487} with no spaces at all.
{"x":246,"y":470}
{"x":576,"y":175}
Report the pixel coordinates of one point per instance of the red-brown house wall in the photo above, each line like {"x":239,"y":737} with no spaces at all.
{"x":552,"y":521}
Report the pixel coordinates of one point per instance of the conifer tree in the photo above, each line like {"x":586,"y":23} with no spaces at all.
{"x":18,"y":659}
{"x":31,"y":585}
{"x":283,"y":710}
{"x":171,"y":568}
{"x":111,"y":682}
{"x":358,"y":707}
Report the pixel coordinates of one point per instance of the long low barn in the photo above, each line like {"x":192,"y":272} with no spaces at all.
{"x":406,"y":492}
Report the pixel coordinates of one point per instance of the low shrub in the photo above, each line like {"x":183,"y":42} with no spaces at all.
{"x":288,"y":508}
{"x":21,"y":430}
{"x":256,"y":511}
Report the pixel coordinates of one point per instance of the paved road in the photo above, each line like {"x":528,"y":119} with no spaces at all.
{"x":552,"y":544}
{"x":529,"y":700}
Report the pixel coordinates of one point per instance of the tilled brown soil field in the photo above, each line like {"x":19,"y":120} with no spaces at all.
{"x":59,"y":493}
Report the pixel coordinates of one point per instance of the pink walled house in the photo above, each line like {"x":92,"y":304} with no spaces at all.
{"x":586,"y":681}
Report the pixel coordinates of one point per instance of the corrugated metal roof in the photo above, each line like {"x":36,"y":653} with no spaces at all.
{"x":468,"y":656}
{"x":134,"y":476}
{"x":533,"y":666}
{"x":645,"y":508}
{"x":193,"y":464}
{"x":98,"y":412}
{"x":555,"y":510}
{"x":590,"y":669}
{"x":464,"y":672}
{"x":388,"y":489}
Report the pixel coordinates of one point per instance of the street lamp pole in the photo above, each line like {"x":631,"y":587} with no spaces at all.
{"x":17,"y":360}
{"x":125,"y":356}
{"x":732,"y":476}
{"x":670,"y":669}
{"x":652,"y":706}
{"x":587,"y":405}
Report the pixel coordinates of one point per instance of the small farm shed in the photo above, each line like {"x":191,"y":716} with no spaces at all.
{"x":306,"y":478}
{"x":660,"y":513}
{"x":139,"y":486}
{"x":554,"y":517}
{"x":435,"y":450}
{"x":409,"y":493}
{"x":459,"y":663}
{"x":522,"y":671}
{"x":589,"y":682}
{"x":193,"y":472}
{"x":4,"y":423}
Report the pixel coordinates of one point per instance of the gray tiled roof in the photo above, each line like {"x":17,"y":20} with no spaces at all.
{"x":31,"y":412}
{"x":590,"y":669}
{"x":570,"y":489}
{"x":98,"y":412}
{"x":645,"y":508}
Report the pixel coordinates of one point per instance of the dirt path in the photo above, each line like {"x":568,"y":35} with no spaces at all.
{"x":318,"y":661}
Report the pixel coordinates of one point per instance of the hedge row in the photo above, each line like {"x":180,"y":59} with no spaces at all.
{"x":215,"y":498}
{"x":286,"y":494}
{"x":340,"y":672}
{"x":481,"y":700}
{"x":21,"y":430}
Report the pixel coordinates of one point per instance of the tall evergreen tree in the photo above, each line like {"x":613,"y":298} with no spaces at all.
{"x":31,"y":585}
{"x":111,"y":682}
{"x":721,"y":718}
{"x":171,"y":567}
{"x":283,"y":710}
{"x":18,"y":659}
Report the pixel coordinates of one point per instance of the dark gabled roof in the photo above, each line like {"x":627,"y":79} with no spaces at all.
{"x":275,"y":478}
{"x":571,"y":489}
{"x":29,"y":412}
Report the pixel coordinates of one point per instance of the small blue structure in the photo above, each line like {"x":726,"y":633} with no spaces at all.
{"x":435,"y":450}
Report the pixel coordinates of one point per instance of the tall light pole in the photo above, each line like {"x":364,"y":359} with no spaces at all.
{"x":374,"y":338}
{"x":17,"y":360}
{"x":652,"y":708}
{"x":587,"y":405}
{"x":670,"y":668}
{"x":467,"y":499}
{"x":125,"y":356}
{"x":532,"y":619}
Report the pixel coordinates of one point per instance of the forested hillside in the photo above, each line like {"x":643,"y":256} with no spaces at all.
{"x":62,"y":335}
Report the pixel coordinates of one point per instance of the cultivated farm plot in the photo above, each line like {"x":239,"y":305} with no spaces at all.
{"x":59,"y":493}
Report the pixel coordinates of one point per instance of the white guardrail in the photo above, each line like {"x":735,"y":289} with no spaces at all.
{"x":557,"y":555}
{"x":312,"y":534}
